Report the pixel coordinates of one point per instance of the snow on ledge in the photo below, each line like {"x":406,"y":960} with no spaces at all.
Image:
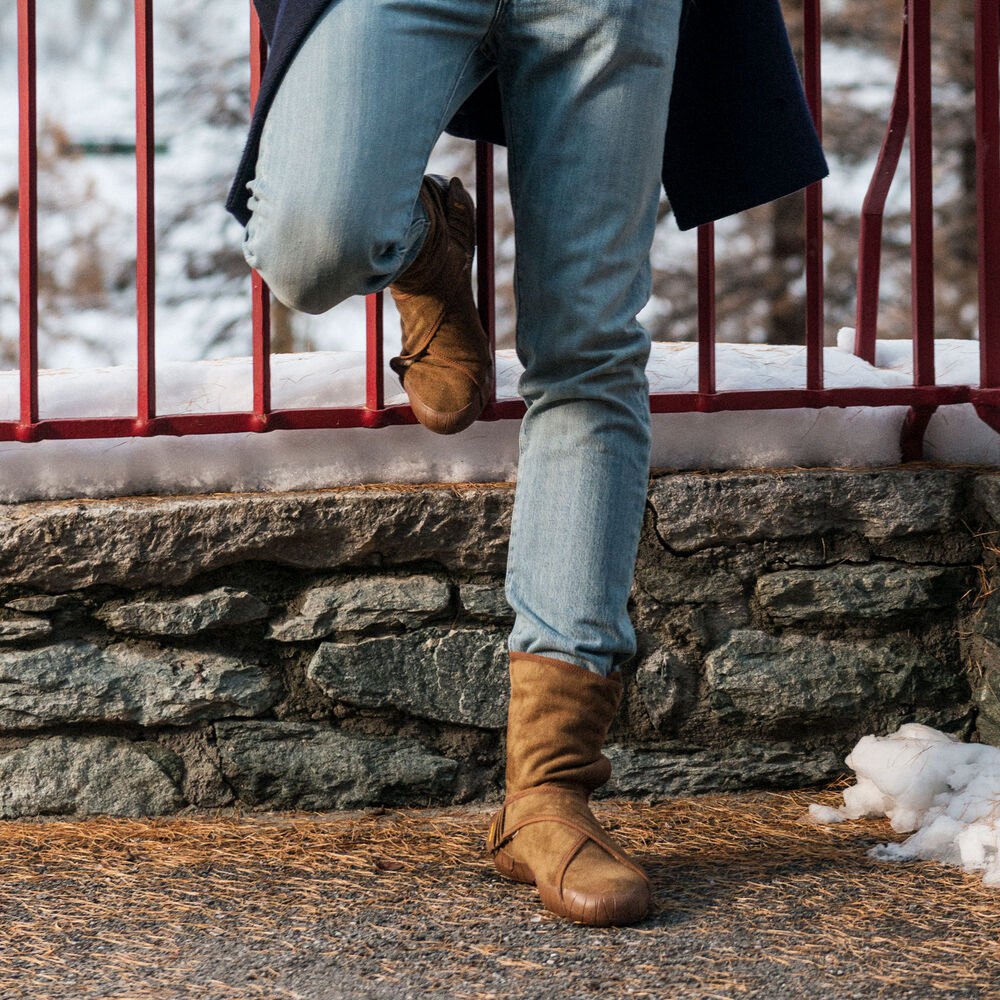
{"x":486,"y":452}
{"x":955,"y":433}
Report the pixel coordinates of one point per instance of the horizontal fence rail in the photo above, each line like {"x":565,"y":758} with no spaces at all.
{"x":910,"y":114}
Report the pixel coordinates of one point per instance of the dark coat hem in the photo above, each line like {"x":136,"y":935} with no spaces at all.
{"x":739,"y":130}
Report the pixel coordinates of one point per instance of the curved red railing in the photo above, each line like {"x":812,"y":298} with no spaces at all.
{"x":910,"y":114}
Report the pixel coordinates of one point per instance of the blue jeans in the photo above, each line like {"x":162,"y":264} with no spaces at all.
{"x":336,"y":213}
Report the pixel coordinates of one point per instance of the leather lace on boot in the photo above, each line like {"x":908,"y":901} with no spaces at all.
{"x":446,"y":366}
{"x":545,"y":834}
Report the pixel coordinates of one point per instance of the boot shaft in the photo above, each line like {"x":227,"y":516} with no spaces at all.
{"x":557,"y":723}
{"x":447,"y":251}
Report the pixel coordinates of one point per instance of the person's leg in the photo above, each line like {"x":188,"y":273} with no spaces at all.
{"x":586,"y":89}
{"x":335,"y":196}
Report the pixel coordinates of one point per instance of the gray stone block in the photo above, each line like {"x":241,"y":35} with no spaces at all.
{"x":43,"y":603}
{"x":23,"y":629}
{"x":663,"y":683}
{"x":873,"y":591}
{"x":486,"y":600}
{"x":351,"y":605}
{"x":956,"y":548}
{"x":988,"y":702}
{"x":985,"y":619}
{"x":457,"y":676}
{"x":986,"y":496}
{"x":77,"y":681}
{"x":142,"y":541}
{"x":775,"y":681}
{"x":287,"y":765}
{"x":703,"y":511}
{"x":986,"y":688}
{"x":695,"y":579}
{"x":679,"y":769}
{"x":185,"y":616}
{"x":86,"y":775}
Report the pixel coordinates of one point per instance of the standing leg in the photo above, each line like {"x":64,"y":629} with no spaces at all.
{"x":586,"y":88}
{"x":335,"y":199}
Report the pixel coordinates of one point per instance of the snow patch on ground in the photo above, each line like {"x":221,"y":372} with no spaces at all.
{"x":943,"y":792}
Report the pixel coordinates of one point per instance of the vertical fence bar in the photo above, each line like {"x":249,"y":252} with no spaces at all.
{"x":261,"y":350}
{"x":873,"y":210}
{"x":27,"y":211}
{"x":145,"y":289}
{"x":374,"y":378}
{"x":814,"y":204}
{"x":921,"y":224}
{"x":259,"y":302}
{"x":921,"y":192}
{"x":485,"y":252}
{"x":988,"y":188}
{"x":706,"y":308}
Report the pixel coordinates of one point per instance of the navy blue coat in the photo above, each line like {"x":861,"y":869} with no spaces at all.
{"x":739,"y":131}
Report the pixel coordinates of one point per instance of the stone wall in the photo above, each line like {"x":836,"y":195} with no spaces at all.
{"x":347,"y":647}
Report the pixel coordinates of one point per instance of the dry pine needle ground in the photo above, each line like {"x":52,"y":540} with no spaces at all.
{"x":751,"y":902}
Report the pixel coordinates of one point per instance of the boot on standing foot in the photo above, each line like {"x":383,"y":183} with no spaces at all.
{"x":545,"y":834}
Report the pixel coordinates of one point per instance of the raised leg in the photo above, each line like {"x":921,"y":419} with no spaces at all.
{"x":346,"y":142}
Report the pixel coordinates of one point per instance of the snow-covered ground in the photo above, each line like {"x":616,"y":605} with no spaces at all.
{"x":486,"y":452}
{"x":944,"y":792}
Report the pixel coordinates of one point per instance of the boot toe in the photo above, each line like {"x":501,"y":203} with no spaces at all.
{"x":598,"y":889}
{"x":626,"y":902}
{"x":579,"y":871}
{"x":444,"y":405}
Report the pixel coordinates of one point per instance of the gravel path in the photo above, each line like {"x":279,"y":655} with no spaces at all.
{"x":751,"y":901}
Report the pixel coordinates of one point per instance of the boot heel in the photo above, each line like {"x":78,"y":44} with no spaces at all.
{"x":512,"y":869}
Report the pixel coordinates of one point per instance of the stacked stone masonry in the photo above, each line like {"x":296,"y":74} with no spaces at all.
{"x":346,"y":648}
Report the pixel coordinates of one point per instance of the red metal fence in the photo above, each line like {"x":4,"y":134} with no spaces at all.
{"x":911,"y":112}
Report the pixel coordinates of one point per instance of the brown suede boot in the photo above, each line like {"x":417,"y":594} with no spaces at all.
{"x":446,"y":366}
{"x":545,"y":833}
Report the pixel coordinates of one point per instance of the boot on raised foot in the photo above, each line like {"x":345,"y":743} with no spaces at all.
{"x":446,"y":366}
{"x":545,"y":834}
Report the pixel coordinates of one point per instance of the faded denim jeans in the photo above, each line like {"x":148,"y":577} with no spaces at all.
{"x":336,"y":213}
